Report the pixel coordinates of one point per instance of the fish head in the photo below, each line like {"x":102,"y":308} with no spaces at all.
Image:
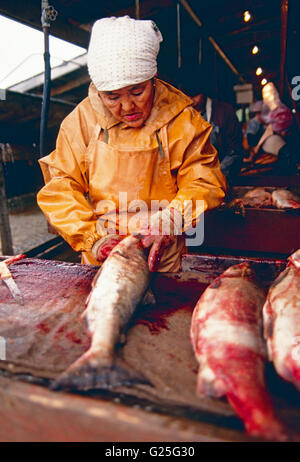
{"x":131,"y":245}
{"x":243,"y":270}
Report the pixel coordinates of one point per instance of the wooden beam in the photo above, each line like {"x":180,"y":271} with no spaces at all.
{"x":147,"y":8}
{"x":5,"y":231}
{"x":190,"y":11}
{"x":249,"y":28}
{"x":30,"y":15}
{"x":71,"y":85}
{"x":56,"y":73}
{"x":252,"y":38}
{"x":283,"y":42}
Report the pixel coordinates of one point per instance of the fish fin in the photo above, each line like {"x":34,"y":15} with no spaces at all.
{"x":87,"y":373}
{"x":149,"y":298}
{"x":294,"y":204}
{"x":209,"y":384}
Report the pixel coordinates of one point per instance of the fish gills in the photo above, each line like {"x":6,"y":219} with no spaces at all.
{"x":226,"y":334}
{"x":282,"y":321}
{"x":117,"y":289}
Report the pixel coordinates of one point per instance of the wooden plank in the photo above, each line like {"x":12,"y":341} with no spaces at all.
{"x":71,"y":85}
{"x":5,"y":231}
{"x":33,"y":413}
{"x":263,"y":231}
{"x":268,"y":180}
{"x":20,"y":109}
{"x":212,"y":266}
{"x":148,"y":8}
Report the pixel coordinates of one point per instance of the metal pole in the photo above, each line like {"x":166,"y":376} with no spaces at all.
{"x":179,"y":61}
{"x":46,"y":93}
{"x":211,"y":39}
{"x":48,"y":13}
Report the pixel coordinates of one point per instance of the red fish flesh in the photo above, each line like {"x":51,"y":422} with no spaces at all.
{"x":227,"y":341}
{"x":282,"y":321}
{"x":118,"y":288}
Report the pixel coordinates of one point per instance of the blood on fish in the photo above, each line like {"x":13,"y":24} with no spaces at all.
{"x":43,"y":327}
{"x":73,"y":337}
{"x":282,"y":311}
{"x":225,"y":334}
{"x":117,"y":289}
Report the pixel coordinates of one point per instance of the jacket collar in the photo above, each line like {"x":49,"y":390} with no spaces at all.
{"x":168,"y":103}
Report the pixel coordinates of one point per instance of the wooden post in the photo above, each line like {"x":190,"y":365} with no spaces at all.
{"x":5,"y":232}
{"x":283,"y":42}
{"x":137,"y":9}
{"x":178,"y":37}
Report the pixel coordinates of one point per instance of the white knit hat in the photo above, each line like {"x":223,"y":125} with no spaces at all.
{"x":122,"y":52}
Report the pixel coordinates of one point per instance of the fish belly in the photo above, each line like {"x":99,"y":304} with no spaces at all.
{"x":226,"y":336}
{"x":118,"y":288}
{"x":282,"y":322}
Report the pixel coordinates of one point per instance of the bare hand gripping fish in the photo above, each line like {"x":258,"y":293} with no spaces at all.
{"x":117,"y":289}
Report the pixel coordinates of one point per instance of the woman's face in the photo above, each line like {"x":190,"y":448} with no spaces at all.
{"x":131,"y":105}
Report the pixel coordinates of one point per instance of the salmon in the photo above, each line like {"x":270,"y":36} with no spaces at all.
{"x":117,"y":289}
{"x":282,"y":321}
{"x":284,"y":199}
{"x":257,"y":197}
{"x":226,"y":334}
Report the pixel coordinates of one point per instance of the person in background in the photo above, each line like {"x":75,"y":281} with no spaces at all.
{"x":226,"y":135}
{"x":278,"y":138}
{"x":256,"y":125}
{"x":134,"y":139}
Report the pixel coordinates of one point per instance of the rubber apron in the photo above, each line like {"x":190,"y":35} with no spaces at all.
{"x":130,"y":174}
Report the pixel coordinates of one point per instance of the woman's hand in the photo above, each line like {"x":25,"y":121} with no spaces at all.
{"x":102,"y":248}
{"x":161,"y":233}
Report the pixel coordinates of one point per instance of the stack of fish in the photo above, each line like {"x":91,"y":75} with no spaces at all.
{"x":277,"y":198}
{"x":228,"y":344}
{"x":226,"y":334}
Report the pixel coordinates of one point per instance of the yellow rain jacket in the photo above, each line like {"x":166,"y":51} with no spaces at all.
{"x":97,"y":157}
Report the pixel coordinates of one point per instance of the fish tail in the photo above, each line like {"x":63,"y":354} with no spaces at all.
{"x":269,"y":429}
{"x":294,"y":204}
{"x":258,"y":417}
{"x":89,"y":373}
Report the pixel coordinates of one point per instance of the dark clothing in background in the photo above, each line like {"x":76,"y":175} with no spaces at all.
{"x":254,"y":132}
{"x":227,"y":137}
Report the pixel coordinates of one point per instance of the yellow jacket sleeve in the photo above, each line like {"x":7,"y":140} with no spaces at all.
{"x":195,"y":163}
{"x":63,"y":199}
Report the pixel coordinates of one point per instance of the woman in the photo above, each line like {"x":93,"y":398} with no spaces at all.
{"x":134,"y":138}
